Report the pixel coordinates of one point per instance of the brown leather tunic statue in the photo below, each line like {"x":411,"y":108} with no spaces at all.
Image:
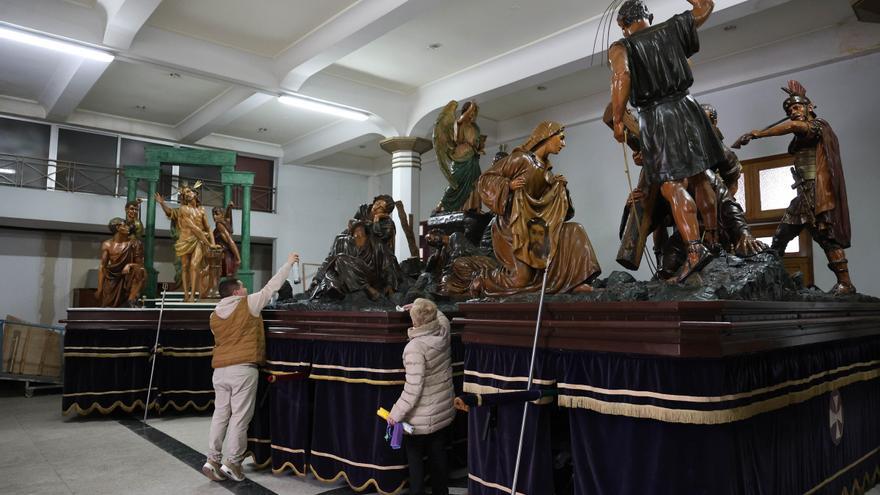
{"x":532,"y":207}
{"x":821,"y":203}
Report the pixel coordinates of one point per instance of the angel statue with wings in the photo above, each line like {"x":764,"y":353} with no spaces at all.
{"x":458,"y":145}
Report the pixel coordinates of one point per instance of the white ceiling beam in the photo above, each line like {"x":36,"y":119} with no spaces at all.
{"x":328,"y":140}
{"x":210,"y":60}
{"x":72,"y":80}
{"x":62,"y":19}
{"x":219,"y":112}
{"x":553,"y":56}
{"x":124,"y":19}
{"x":348,"y":31}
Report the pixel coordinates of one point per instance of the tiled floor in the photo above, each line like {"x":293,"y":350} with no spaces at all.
{"x":42,"y":452}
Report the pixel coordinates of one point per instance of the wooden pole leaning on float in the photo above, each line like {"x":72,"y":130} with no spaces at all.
{"x":522,"y":429}
{"x":407,"y":229}
{"x":154,"y":352}
{"x":638,"y":220}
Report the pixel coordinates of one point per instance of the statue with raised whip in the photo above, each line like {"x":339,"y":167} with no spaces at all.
{"x":671,"y":253}
{"x":532,"y":209}
{"x":195,"y":237}
{"x":460,"y":143}
{"x":362,"y":256}
{"x":650,"y":70}
{"x":820,"y":205}
{"x":121,"y":273}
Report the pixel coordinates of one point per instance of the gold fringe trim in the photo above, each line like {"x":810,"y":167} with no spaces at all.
{"x":354,"y":368}
{"x":137,"y":404}
{"x":503,"y":378}
{"x":868,"y":482}
{"x":360,"y":488}
{"x":496,"y":486}
{"x":287,"y":363}
{"x":109,"y":392}
{"x":103,"y":348}
{"x":839,"y":473}
{"x":356,"y":380}
{"x":187,"y":354}
{"x":105,"y":354}
{"x":186,"y":405}
{"x":286,"y":465}
{"x":474,"y":388}
{"x":259,"y":440}
{"x":692,"y":416}
{"x":257,"y":465}
{"x":287,"y":449}
{"x":203,"y":348}
{"x":359,"y":464}
{"x":719,"y":398}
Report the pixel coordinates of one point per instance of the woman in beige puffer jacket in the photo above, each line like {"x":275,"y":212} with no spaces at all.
{"x":426,"y":401}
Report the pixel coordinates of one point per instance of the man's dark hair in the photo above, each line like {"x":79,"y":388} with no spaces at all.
{"x":132,"y":203}
{"x":389,"y":202}
{"x":633,"y":11}
{"x":228,"y":286}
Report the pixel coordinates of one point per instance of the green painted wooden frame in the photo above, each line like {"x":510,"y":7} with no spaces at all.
{"x":229,"y":177}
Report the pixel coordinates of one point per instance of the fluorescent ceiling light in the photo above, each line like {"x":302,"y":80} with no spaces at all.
{"x":7,"y":171}
{"x":323,"y":107}
{"x":51,"y":44}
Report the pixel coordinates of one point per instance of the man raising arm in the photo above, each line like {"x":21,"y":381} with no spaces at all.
{"x":239,"y":348}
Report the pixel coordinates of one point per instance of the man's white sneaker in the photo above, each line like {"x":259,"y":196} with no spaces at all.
{"x":211,"y":470}
{"x":233,"y":471}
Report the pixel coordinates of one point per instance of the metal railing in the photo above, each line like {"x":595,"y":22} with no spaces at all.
{"x":107,"y":180}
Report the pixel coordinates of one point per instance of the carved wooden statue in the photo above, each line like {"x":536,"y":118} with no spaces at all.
{"x":231,"y":258}
{"x":460,"y":144}
{"x":121,"y":272}
{"x":133,"y":217}
{"x":194,"y":237}
{"x":821,"y":204}
{"x":362,"y":256}
{"x":650,"y":70}
{"x":670,"y":251}
{"x":528,"y":200}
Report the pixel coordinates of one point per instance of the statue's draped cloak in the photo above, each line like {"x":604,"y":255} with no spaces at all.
{"x":573,"y":260}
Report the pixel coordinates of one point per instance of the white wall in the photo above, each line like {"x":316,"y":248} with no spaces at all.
{"x":313,"y":206}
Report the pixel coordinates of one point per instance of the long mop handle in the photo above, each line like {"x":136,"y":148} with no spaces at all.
{"x":522,"y":429}
{"x":153,"y":353}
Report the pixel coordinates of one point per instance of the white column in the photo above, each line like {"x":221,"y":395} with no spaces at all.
{"x":406,"y":167}
{"x":51,"y":169}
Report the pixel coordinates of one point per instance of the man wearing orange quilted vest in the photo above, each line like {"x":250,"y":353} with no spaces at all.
{"x":239,"y":348}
